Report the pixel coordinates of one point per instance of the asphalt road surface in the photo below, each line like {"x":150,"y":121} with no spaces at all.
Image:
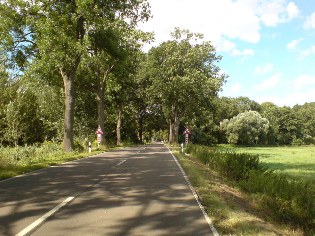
{"x":133,"y":191}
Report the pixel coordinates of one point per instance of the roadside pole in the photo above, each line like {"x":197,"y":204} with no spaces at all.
{"x":186,"y":133}
{"x":99,"y":134}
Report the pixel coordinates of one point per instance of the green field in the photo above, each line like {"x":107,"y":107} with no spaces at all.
{"x":297,"y":162}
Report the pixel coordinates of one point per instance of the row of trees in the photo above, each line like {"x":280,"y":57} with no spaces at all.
{"x":80,"y":62}
{"x":76,"y":41}
{"x":70,"y":66}
{"x":250,"y":123}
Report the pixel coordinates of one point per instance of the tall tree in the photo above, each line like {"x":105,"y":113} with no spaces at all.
{"x":110,"y":48}
{"x":56,"y":33}
{"x":306,"y":113}
{"x":184,"y":77}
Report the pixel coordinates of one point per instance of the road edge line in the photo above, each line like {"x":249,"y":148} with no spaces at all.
{"x":208,"y":219}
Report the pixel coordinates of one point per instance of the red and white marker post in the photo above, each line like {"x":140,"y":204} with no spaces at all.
{"x":186,"y":133}
{"x":99,"y":134}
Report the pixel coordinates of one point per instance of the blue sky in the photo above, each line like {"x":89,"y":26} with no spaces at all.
{"x":268,"y":46}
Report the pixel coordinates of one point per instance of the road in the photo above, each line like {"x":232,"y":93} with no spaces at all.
{"x":133,"y":191}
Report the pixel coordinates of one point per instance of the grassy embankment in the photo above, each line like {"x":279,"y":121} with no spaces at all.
{"x":296,"y":162}
{"x":19,"y":160}
{"x":238,"y":212}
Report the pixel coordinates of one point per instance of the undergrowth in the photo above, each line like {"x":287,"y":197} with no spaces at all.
{"x":289,"y":200}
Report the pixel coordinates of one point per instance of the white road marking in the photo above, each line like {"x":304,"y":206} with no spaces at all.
{"x":121,"y":162}
{"x":42,"y":219}
{"x":209,"y":221}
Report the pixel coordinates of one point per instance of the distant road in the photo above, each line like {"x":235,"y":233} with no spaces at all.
{"x":133,"y":191}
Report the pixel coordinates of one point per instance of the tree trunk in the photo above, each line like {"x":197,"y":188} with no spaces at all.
{"x":100,"y":94}
{"x":141,"y":129}
{"x":118,"y":127}
{"x":100,"y":111}
{"x":68,"y":80}
{"x":174,"y":126}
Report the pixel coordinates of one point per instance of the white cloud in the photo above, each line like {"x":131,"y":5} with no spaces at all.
{"x":310,"y":22}
{"x":292,"y":45}
{"x":292,"y":93}
{"x":292,"y":10}
{"x":263,"y":69}
{"x":218,"y":20}
{"x":274,"y":12}
{"x":235,"y":88}
{"x":304,"y":81}
{"x":272,"y":82}
{"x":215,"y":19}
{"x":231,"y":48}
{"x":296,"y":98}
{"x":307,"y":52}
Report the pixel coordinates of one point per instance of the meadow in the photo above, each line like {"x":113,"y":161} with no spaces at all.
{"x":271,"y":183}
{"x":295,"y":161}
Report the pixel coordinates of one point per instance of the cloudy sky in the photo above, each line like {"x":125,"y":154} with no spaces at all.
{"x":268,"y":46}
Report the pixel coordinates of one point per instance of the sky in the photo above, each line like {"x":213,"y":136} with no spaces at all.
{"x":268,"y":46}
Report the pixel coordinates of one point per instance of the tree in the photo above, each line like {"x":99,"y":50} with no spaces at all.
{"x":306,"y":114}
{"x":110,"y":48}
{"x":286,"y":124}
{"x":290,"y":126}
{"x":56,"y":34}
{"x":247,"y":128}
{"x":184,"y":77}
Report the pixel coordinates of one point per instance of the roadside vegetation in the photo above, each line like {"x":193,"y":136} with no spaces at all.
{"x":19,"y":160}
{"x":69,"y":67}
{"x":241,"y":194}
{"x":295,"y":161}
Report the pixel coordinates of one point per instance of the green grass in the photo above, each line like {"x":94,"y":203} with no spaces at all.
{"x":19,"y":160}
{"x":231,"y":211}
{"x":296,"y":162}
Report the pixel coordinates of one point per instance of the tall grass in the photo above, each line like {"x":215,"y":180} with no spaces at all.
{"x":290,"y":201}
{"x":18,"y":160}
{"x":296,"y":162}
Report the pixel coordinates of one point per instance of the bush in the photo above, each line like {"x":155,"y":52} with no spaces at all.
{"x":289,"y":200}
{"x":233,"y":165}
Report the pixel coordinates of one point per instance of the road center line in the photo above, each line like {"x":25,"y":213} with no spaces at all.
{"x":121,"y":162}
{"x":36,"y":224}
{"x":42,"y":219}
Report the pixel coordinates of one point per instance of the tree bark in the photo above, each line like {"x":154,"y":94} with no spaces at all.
{"x":100,"y":97}
{"x":174,"y":126}
{"x":68,"y":80}
{"x":141,"y":129}
{"x":100,"y":111}
{"x":118,"y":127}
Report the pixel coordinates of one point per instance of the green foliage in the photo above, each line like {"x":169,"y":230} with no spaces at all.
{"x":18,"y":160}
{"x":247,"y":128}
{"x":289,"y":200}
{"x":235,"y":166}
{"x":55,"y":36}
{"x":286,"y":125}
{"x":307,"y":119}
{"x":22,"y":122}
{"x":295,"y":162}
{"x":184,"y":77}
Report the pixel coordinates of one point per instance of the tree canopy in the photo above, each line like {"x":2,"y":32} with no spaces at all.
{"x":246,"y":128}
{"x":68,"y":67}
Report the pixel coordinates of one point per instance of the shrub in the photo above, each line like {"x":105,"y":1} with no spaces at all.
{"x":289,"y":200}
{"x":233,"y":165}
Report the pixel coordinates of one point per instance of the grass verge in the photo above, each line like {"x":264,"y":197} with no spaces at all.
{"x":20,"y":160}
{"x":232,"y":211}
